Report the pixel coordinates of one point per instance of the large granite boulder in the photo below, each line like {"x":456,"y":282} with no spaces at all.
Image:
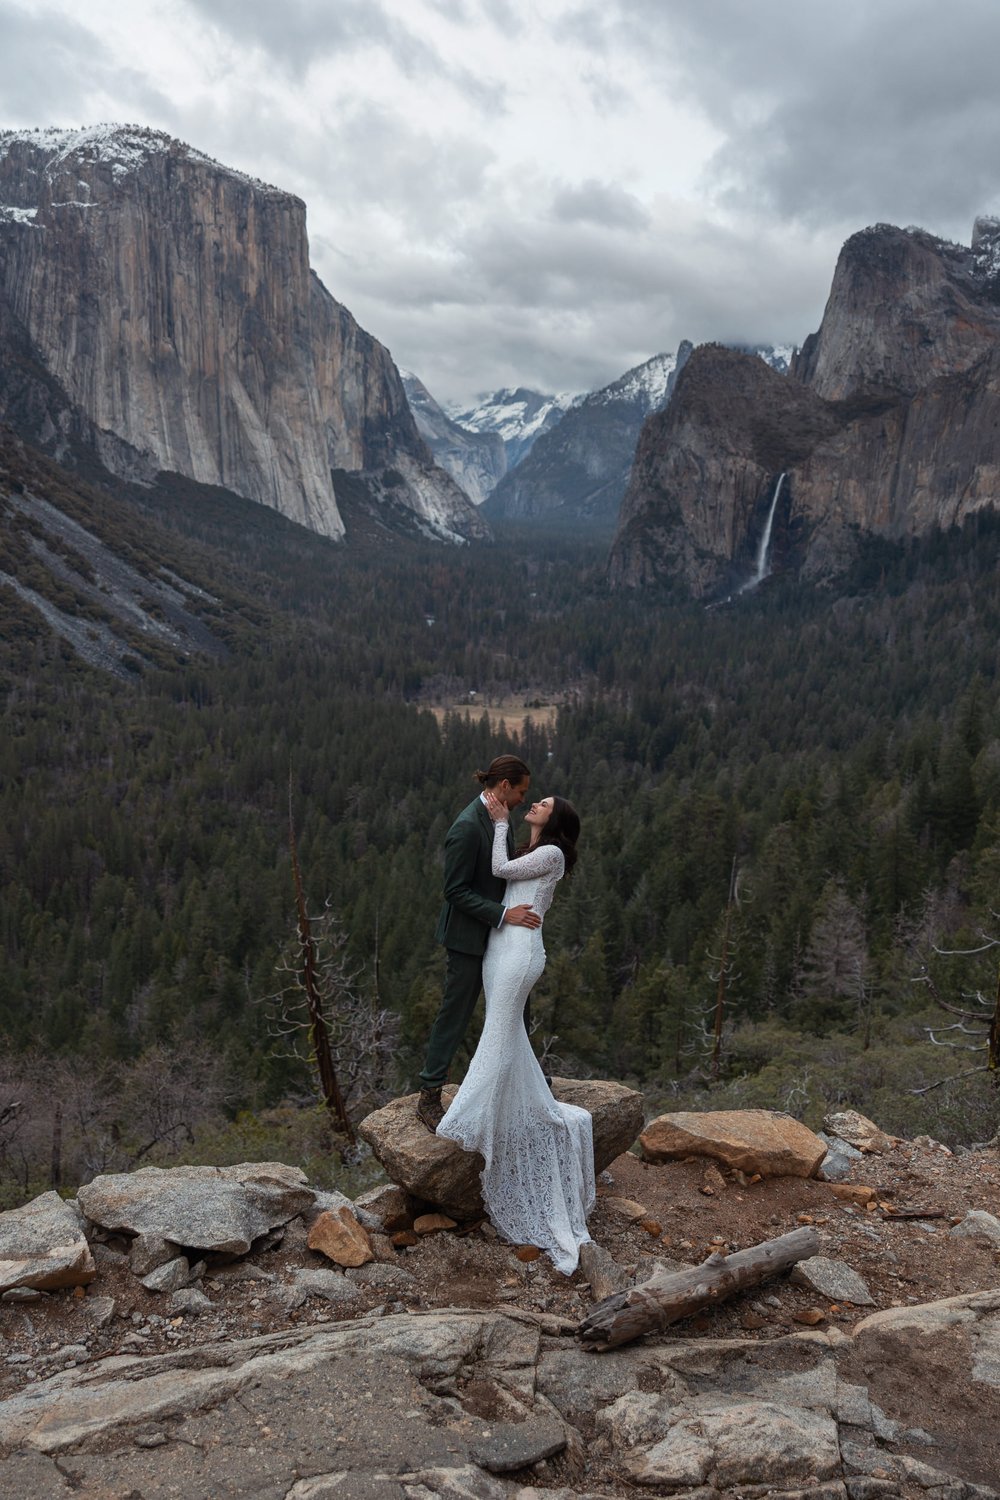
{"x":858,"y":1131}
{"x":442,"y":1173}
{"x":42,"y":1245}
{"x":753,"y":1140}
{"x":202,"y":1208}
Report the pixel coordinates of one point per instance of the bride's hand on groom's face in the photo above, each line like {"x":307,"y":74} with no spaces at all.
{"x":496,"y":809}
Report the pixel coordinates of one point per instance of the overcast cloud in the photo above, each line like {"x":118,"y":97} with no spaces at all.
{"x":546,"y":192}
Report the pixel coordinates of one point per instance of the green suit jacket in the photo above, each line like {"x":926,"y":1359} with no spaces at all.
{"x":473,"y":895}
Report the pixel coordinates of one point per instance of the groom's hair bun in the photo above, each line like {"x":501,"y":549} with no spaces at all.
{"x":505,"y":768}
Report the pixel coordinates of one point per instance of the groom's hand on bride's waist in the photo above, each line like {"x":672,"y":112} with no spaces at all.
{"x":521,"y":916}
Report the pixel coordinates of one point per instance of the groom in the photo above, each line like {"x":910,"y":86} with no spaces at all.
{"x":472,"y":905}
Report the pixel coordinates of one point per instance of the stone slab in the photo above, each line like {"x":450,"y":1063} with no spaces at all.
{"x":43,"y":1246}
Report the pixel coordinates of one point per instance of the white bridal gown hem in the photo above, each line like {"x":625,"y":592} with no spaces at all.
{"x":538,"y":1175}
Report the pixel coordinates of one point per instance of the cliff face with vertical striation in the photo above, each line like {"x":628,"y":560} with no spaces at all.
{"x":889,"y":424}
{"x":172,"y":301}
{"x":904,"y":309}
{"x":475,"y":460}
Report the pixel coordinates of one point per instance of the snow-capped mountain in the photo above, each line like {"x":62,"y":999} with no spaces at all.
{"x":778,"y":356}
{"x":647,"y":385}
{"x":580,"y":468}
{"x":520,"y":417}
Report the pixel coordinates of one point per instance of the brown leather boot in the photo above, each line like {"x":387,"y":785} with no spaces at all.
{"x":430,"y":1109}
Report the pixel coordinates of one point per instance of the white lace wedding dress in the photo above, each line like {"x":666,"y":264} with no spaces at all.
{"x":538,"y":1181}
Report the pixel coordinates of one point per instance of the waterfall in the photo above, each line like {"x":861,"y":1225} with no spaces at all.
{"x":761,"y":569}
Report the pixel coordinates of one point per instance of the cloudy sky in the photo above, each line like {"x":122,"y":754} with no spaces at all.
{"x":546,"y":192}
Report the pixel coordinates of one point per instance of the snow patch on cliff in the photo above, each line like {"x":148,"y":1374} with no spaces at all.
{"x":986,"y":247}
{"x":124,"y":148}
{"x":647,"y":385}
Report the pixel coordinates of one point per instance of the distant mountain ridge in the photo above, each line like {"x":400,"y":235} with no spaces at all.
{"x":579,"y":469}
{"x":161,"y":308}
{"x":888,"y":425}
{"x":519,"y":416}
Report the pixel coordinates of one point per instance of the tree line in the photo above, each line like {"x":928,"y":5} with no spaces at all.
{"x":840,"y":749}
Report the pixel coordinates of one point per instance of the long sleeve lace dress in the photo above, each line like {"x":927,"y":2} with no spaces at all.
{"x":538,"y":1178}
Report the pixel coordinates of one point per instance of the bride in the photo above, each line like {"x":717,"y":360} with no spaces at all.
{"x":538,"y":1179}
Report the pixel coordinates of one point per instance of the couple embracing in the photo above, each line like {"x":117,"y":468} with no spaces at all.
{"x":538,"y":1178}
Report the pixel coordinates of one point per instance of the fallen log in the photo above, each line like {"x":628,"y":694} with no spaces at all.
{"x":913,"y":1213}
{"x":669,"y":1296}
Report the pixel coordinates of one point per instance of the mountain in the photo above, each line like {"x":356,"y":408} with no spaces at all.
{"x":519,"y":416}
{"x":160,"y":308}
{"x":888,"y":425}
{"x":475,"y":460}
{"x":579,"y":469}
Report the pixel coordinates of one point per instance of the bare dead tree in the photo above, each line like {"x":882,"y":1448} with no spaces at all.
{"x":978,"y":1026}
{"x":56,"y":1172}
{"x":325,"y":1018}
{"x":317,"y":980}
{"x":360,"y":1035}
{"x":88,"y":1104}
{"x":164,"y":1095}
{"x":12,"y":1120}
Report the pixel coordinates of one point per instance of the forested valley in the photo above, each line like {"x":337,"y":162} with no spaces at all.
{"x":788,"y":803}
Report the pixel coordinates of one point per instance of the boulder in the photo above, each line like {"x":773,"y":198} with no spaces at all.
{"x":441,"y":1173}
{"x":831,"y":1278}
{"x":858,"y":1131}
{"x":753,"y":1140}
{"x":393,"y":1208}
{"x":43,"y":1246}
{"x":202,"y":1208}
{"x":840,"y":1159}
{"x":148,"y":1251}
{"x":330,"y":1200}
{"x":341,"y":1238}
{"x":432,"y":1223}
{"x":189,"y":1302}
{"x":980,"y":1226}
{"x":170,"y":1276}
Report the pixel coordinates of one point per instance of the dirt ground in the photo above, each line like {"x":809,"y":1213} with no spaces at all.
{"x":689,"y":1209}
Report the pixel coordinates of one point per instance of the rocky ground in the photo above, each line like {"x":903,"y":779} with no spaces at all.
{"x":588,"y":1423}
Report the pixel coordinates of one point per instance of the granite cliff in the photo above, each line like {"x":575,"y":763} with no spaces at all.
{"x":888,"y":425}
{"x":162,"y":307}
{"x":475,"y":460}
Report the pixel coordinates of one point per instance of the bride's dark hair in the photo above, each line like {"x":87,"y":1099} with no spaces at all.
{"x":562,"y":829}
